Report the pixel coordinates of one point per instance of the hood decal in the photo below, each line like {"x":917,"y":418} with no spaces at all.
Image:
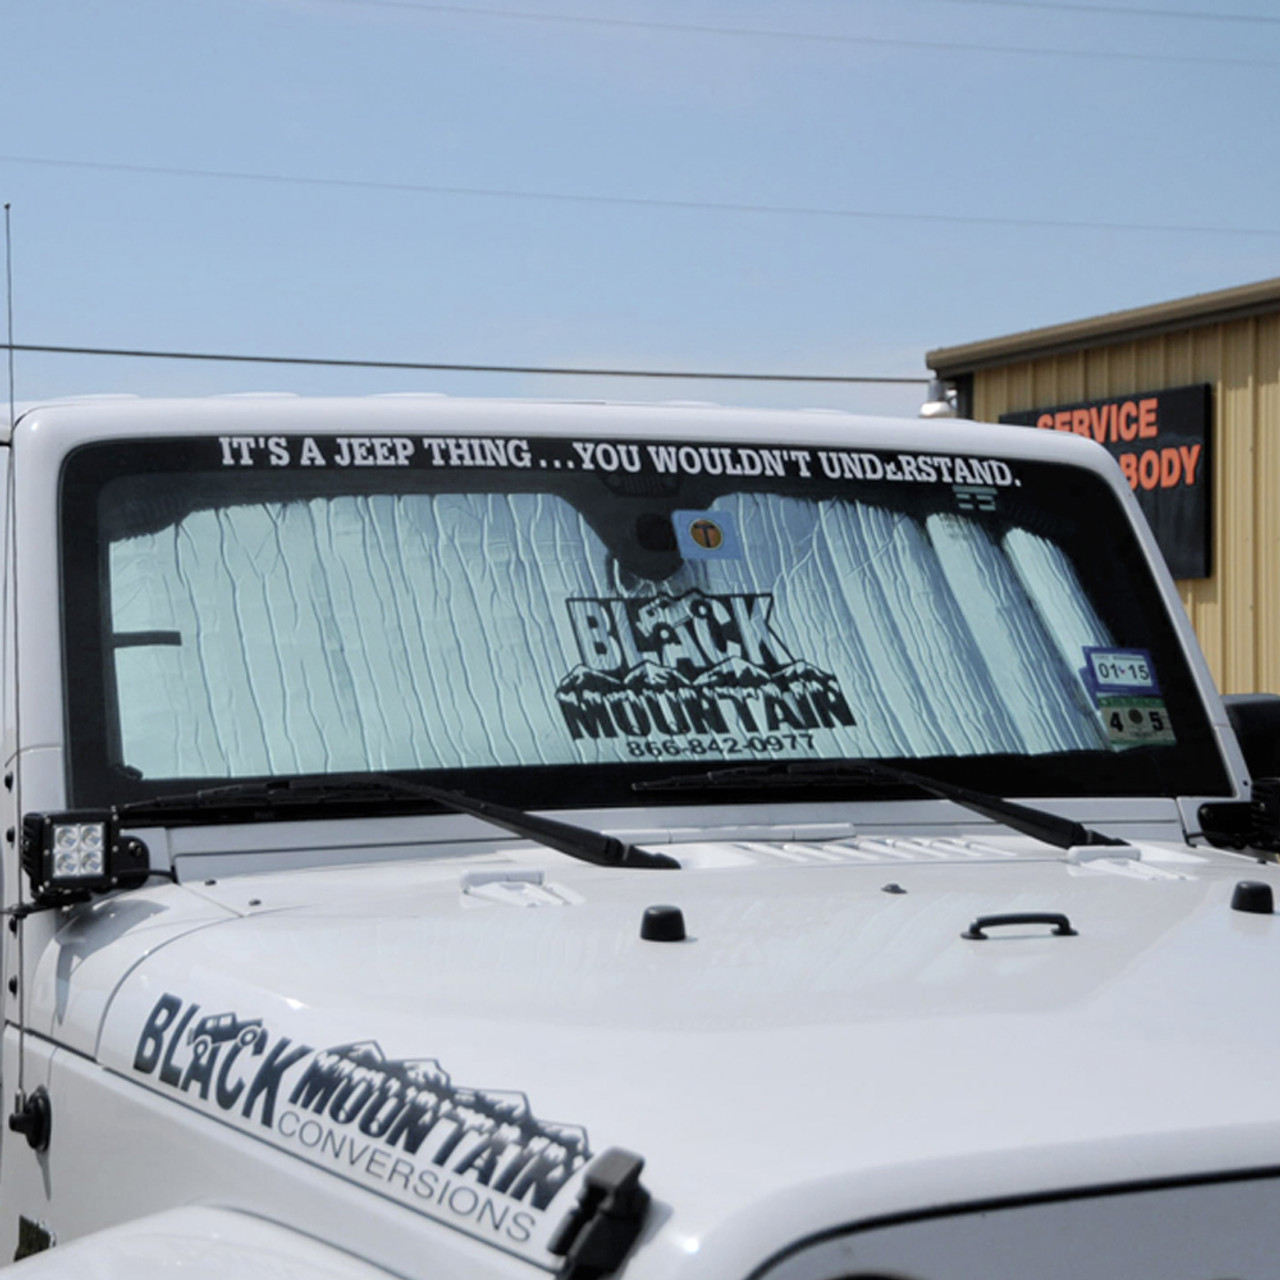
{"x":475,"y":1159}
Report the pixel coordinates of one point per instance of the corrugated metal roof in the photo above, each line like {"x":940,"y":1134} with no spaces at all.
{"x":1260,"y":298}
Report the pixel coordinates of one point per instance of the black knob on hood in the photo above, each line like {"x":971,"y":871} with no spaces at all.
{"x":1254,"y":897}
{"x":663,"y":924}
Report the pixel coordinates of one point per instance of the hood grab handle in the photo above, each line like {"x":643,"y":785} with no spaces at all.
{"x":1061,"y":925}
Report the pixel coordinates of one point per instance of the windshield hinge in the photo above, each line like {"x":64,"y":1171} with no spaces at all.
{"x":597,"y":1232}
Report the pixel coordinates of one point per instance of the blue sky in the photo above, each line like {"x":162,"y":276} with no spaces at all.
{"x":804,"y":186}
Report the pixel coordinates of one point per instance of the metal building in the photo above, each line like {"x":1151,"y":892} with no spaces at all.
{"x":1186,"y":395}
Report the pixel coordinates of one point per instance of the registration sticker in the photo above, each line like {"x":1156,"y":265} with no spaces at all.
{"x":706,"y":535}
{"x":1133,"y":721}
{"x":1112,"y":671}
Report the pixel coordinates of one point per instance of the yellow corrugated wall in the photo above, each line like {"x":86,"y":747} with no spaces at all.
{"x":1236,"y":613}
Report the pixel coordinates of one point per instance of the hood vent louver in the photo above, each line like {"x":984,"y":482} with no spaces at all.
{"x":873,"y":849}
{"x":515,"y":887}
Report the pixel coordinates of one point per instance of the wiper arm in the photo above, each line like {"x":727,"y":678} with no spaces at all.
{"x":564,"y":837}
{"x":1063,"y":833}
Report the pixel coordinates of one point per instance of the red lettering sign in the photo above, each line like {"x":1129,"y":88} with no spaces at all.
{"x":1162,"y":442}
{"x":1147,"y":423}
{"x":1128,"y":428}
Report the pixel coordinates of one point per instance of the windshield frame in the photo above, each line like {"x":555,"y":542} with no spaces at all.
{"x":1197,"y":767}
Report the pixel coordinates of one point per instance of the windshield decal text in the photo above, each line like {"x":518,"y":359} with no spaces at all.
{"x":690,"y":664}
{"x":609,"y":457}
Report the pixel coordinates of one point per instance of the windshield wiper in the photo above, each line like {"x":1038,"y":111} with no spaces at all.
{"x":279,"y":793}
{"x":1063,"y":833}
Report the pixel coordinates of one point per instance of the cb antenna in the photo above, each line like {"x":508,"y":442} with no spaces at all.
{"x":8,"y":298}
{"x":31,"y":1112}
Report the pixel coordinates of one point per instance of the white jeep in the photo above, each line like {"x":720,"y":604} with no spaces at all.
{"x":491,"y":840}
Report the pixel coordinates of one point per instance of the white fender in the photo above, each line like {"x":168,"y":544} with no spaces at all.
{"x":195,"y":1244}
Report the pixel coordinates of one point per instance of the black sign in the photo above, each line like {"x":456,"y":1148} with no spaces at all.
{"x":1161,"y":440}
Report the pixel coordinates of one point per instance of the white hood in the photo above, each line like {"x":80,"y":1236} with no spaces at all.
{"x":824,"y":1044}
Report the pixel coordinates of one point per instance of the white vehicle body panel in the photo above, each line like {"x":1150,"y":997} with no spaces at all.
{"x":200,"y":1244}
{"x":355,"y":1043}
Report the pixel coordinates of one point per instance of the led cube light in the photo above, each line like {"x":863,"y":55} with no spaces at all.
{"x":78,"y":850}
{"x":69,"y":856}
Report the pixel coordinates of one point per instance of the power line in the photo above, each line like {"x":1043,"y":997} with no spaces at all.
{"x":638,"y":202}
{"x":773,"y":33}
{"x":1124,"y":11}
{"x":440,"y":367}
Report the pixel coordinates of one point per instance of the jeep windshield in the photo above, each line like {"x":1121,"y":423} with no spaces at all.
{"x":546,"y":621}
